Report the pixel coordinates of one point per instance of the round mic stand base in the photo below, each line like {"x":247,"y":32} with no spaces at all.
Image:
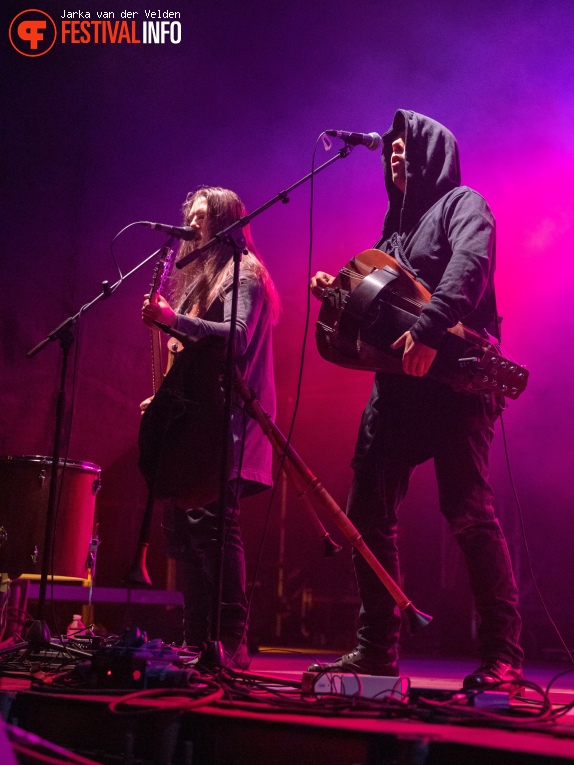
{"x":212,"y":655}
{"x":38,"y":640}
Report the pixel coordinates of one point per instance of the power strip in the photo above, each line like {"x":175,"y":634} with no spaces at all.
{"x":368,"y":686}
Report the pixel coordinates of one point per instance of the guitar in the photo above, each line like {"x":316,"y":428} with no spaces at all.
{"x":374,"y":300}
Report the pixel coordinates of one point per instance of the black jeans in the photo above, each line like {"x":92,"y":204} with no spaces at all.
{"x":192,"y":540}
{"x":461,"y":467}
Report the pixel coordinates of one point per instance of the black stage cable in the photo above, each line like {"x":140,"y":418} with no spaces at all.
{"x":232,"y":689}
{"x":526,"y":547}
{"x":68,"y":437}
{"x":299,"y":382}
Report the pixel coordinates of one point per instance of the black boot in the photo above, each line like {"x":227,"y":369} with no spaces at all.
{"x":360,"y":661}
{"x":495,"y":675}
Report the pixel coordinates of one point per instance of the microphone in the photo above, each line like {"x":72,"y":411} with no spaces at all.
{"x":371,"y":140}
{"x":186,"y":233}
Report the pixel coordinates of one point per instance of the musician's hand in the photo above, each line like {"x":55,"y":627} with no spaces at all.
{"x":144,"y":404}
{"x":319,"y":282}
{"x":417,"y":357}
{"x":158,"y":310}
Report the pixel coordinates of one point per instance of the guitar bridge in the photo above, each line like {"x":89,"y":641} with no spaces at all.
{"x":335,"y":298}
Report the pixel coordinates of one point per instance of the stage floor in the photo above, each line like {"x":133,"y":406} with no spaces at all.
{"x":255,"y":721}
{"x":427,"y":673}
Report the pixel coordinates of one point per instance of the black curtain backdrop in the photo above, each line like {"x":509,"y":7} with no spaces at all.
{"x":97,"y":136}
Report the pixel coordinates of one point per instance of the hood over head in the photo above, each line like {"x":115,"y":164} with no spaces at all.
{"x":432,"y":169}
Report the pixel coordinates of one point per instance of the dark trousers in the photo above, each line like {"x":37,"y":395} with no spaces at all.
{"x":192,"y":540}
{"x":461,"y":467}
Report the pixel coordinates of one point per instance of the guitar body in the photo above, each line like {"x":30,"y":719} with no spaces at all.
{"x":181,"y":432}
{"x":373,"y":301}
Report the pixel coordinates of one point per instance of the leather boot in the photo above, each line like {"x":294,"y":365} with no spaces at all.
{"x":361,"y":662}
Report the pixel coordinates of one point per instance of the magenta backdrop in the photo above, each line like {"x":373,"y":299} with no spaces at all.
{"x":98,"y":136}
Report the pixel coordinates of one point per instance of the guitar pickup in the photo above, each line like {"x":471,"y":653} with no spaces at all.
{"x":335,"y":298}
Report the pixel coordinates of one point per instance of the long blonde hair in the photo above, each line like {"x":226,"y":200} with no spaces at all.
{"x":199,"y":284}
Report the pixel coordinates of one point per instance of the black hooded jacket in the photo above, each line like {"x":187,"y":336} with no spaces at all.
{"x":444,"y":233}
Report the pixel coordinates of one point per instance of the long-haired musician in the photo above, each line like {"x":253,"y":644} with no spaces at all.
{"x":200,"y":305}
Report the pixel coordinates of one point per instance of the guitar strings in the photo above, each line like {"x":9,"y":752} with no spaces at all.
{"x":418,"y":304}
{"x":361,"y":277}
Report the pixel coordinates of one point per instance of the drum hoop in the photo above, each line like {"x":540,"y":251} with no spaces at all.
{"x":47,"y":461}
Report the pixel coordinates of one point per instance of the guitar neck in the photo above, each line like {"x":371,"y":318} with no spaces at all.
{"x":162,"y":269}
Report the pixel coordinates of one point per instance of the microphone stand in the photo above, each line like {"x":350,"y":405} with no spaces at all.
{"x":38,"y":635}
{"x":213,"y":655}
{"x":282,"y":196}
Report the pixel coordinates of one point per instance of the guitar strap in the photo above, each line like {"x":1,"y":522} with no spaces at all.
{"x":497,"y":317}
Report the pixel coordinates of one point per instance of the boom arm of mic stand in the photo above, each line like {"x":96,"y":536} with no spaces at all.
{"x":310,"y":490}
{"x":282,"y":196}
{"x":107,"y":291}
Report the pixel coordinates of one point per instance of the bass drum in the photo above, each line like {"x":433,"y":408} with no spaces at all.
{"x":24,"y":491}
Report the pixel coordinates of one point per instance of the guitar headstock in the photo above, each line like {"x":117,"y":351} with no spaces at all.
{"x":493,"y":372}
{"x":161,"y":272}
